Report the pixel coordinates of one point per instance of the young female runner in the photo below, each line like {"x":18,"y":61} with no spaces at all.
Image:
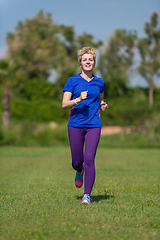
{"x":83,"y":93}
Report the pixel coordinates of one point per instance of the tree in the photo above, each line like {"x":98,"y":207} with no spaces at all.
{"x":69,"y":63}
{"x":39,"y":45}
{"x":115,"y":61}
{"x":149,"y":49}
{"x":86,"y":39}
{"x":35,"y":47}
{"x":6,"y":76}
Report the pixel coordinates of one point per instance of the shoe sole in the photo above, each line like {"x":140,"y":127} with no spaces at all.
{"x":85,"y":202}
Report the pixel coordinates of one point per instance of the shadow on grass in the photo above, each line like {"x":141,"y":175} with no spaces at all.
{"x":98,"y":198}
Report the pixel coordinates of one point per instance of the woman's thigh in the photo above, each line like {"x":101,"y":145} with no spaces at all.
{"x":91,"y":143}
{"x":76,"y":139}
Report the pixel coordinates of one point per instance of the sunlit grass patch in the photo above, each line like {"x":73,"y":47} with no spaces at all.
{"x":39,"y":200}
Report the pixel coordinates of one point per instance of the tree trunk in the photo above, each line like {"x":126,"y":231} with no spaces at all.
{"x":6,"y":106}
{"x":151,"y":89}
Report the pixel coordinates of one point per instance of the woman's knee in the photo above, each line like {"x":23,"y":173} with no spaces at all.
{"x":77,"y":167}
{"x":89,"y":159}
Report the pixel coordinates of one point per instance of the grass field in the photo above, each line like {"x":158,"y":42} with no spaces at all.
{"x":39,"y":200}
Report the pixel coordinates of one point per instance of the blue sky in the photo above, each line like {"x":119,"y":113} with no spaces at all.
{"x":97,"y":17}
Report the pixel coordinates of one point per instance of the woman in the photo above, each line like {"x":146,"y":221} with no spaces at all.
{"x":83,"y":93}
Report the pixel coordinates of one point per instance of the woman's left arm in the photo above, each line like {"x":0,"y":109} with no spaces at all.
{"x":103,"y":104}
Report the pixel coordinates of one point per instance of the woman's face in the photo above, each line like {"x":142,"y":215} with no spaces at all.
{"x":87,"y":62}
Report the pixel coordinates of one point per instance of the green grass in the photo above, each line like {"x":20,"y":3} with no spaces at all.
{"x":39,"y":200}
{"x":131,"y":140}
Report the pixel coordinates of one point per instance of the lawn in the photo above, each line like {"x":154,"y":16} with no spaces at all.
{"x":38,"y":199}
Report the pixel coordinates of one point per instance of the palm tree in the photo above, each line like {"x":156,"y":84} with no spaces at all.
{"x":5,"y":76}
{"x":149,"y":49}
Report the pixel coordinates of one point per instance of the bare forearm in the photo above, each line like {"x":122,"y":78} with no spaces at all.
{"x":70,"y":103}
{"x":103,"y":104}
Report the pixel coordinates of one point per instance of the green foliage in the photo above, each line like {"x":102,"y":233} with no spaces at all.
{"x":39,"y":199}
{"x":56,"y":137}
{"x":130,"y":111}
{"x":153,"y":127}
{"x":43,"y":110}
{"x":35,"y":47}
{"x":34,"y":89}
{"x":69,"y":64}
{"x":3,"y":69}
{"x":157,"y":94}
{"x":39,"y":45}
{"x":33,"y":134}
{"x":7,"y":69}
{"x":122,"y":112}
{"x":149,"y":49}
{"x":87,"y":40}
{"x":115,"y":61}
{"x":7,"y":136}
{"x":130,"y":140}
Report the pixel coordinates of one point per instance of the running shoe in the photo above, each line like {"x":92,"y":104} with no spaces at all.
{"x":79,"y":179}
{"x":86,"y":199}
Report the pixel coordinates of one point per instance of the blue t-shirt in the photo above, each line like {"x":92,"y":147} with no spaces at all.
{"x":86,"y":113}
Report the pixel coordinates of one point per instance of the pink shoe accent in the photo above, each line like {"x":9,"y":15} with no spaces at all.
{"x":86,"y":199}
{"x":79,"y":179}
{"x":78,"y":184}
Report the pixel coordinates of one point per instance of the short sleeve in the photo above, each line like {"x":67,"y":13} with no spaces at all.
{"x":103,"y":87}
{"x":68,"y":86}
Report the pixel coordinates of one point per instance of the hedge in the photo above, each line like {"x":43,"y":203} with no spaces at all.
{"x":43,"y":110}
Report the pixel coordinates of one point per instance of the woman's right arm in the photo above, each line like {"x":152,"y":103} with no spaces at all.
{"x":68,"y":103}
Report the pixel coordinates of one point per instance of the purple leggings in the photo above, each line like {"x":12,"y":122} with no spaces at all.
{"x":77,"y":137}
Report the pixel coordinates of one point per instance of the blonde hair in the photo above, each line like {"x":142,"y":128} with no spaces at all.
{"x":85,"y":50}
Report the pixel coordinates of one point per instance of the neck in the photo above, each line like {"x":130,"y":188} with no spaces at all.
{"x":87,"y":75}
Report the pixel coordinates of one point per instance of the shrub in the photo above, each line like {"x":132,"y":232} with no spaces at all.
{"x":32,"y":134}
{"x":52,"y":137}
{"x":42,"y":110}
{"x":128,"y":112}
{"x":7,"y":136}
{"x":153,"y":127}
